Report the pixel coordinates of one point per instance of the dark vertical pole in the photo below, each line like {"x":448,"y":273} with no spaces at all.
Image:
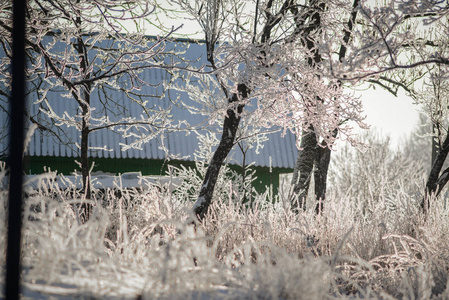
{"x":17,"y":106}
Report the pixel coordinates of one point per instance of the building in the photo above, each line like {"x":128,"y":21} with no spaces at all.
{"x":54,"y":144}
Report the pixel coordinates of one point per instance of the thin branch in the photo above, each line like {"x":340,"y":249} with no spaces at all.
{"x":429,"y":43}
{"x":393,"y":91}
{"x":348,"y":31}
{"x":440,"y":60}
{"x":442,"y":181}
{"x":128,"y":123}
{"x":390,"y":89}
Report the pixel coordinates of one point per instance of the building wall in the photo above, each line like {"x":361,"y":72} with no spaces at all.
{"x":67,"y":165}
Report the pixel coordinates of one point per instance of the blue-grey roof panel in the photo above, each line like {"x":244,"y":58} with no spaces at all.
{"x":62,"y":140}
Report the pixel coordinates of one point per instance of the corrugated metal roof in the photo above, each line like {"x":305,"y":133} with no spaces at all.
{"x":278,"y":150}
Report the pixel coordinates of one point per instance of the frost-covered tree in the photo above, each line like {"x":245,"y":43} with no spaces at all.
{"x":315,"y":154}
{"x":82,"y":49}
{"x":399,"y":43}
{"x":263,"y":53}
{"x":433,"y":98}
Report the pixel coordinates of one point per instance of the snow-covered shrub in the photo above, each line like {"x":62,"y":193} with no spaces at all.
{"x":377,"y":174}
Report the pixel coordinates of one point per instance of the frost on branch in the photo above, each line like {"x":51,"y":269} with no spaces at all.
{"x":398,"y":36}
{"x":88,"y":70}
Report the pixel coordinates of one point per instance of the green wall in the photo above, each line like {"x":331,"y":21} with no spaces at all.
{"x":67,"y":165}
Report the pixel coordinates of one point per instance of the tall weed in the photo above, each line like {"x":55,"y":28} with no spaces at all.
{"x":142,"y":243}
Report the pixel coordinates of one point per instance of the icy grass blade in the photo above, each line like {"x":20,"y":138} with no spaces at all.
{"x":142,"y":243}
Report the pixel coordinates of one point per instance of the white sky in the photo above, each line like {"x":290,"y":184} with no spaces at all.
{"x":390,"y":115}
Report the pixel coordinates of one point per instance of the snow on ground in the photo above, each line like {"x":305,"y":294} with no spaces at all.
{"x":99,"y":181}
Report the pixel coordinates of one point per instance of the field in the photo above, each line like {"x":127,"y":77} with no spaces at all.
{"x":143,"y":245}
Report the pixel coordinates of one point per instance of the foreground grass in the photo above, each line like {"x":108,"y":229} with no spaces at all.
{"x":142,"y":245}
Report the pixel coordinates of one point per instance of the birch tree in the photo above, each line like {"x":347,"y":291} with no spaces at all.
{"x":86,"y":48}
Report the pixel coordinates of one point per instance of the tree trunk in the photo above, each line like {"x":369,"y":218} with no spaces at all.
{"x":322,"y":161}
{"x":307,"y":155}
{"x":436,"y":182}
{"x":85,"y":208}
{"x":310,"y":153}
{"x":230,"y":126}
{"x":302,"y":173}
{"x":84,"y":103}
{"x":244,"y":191}
{"x":323,"y":156}
{"x":315,"y":159}
{"x":435,"y":145}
